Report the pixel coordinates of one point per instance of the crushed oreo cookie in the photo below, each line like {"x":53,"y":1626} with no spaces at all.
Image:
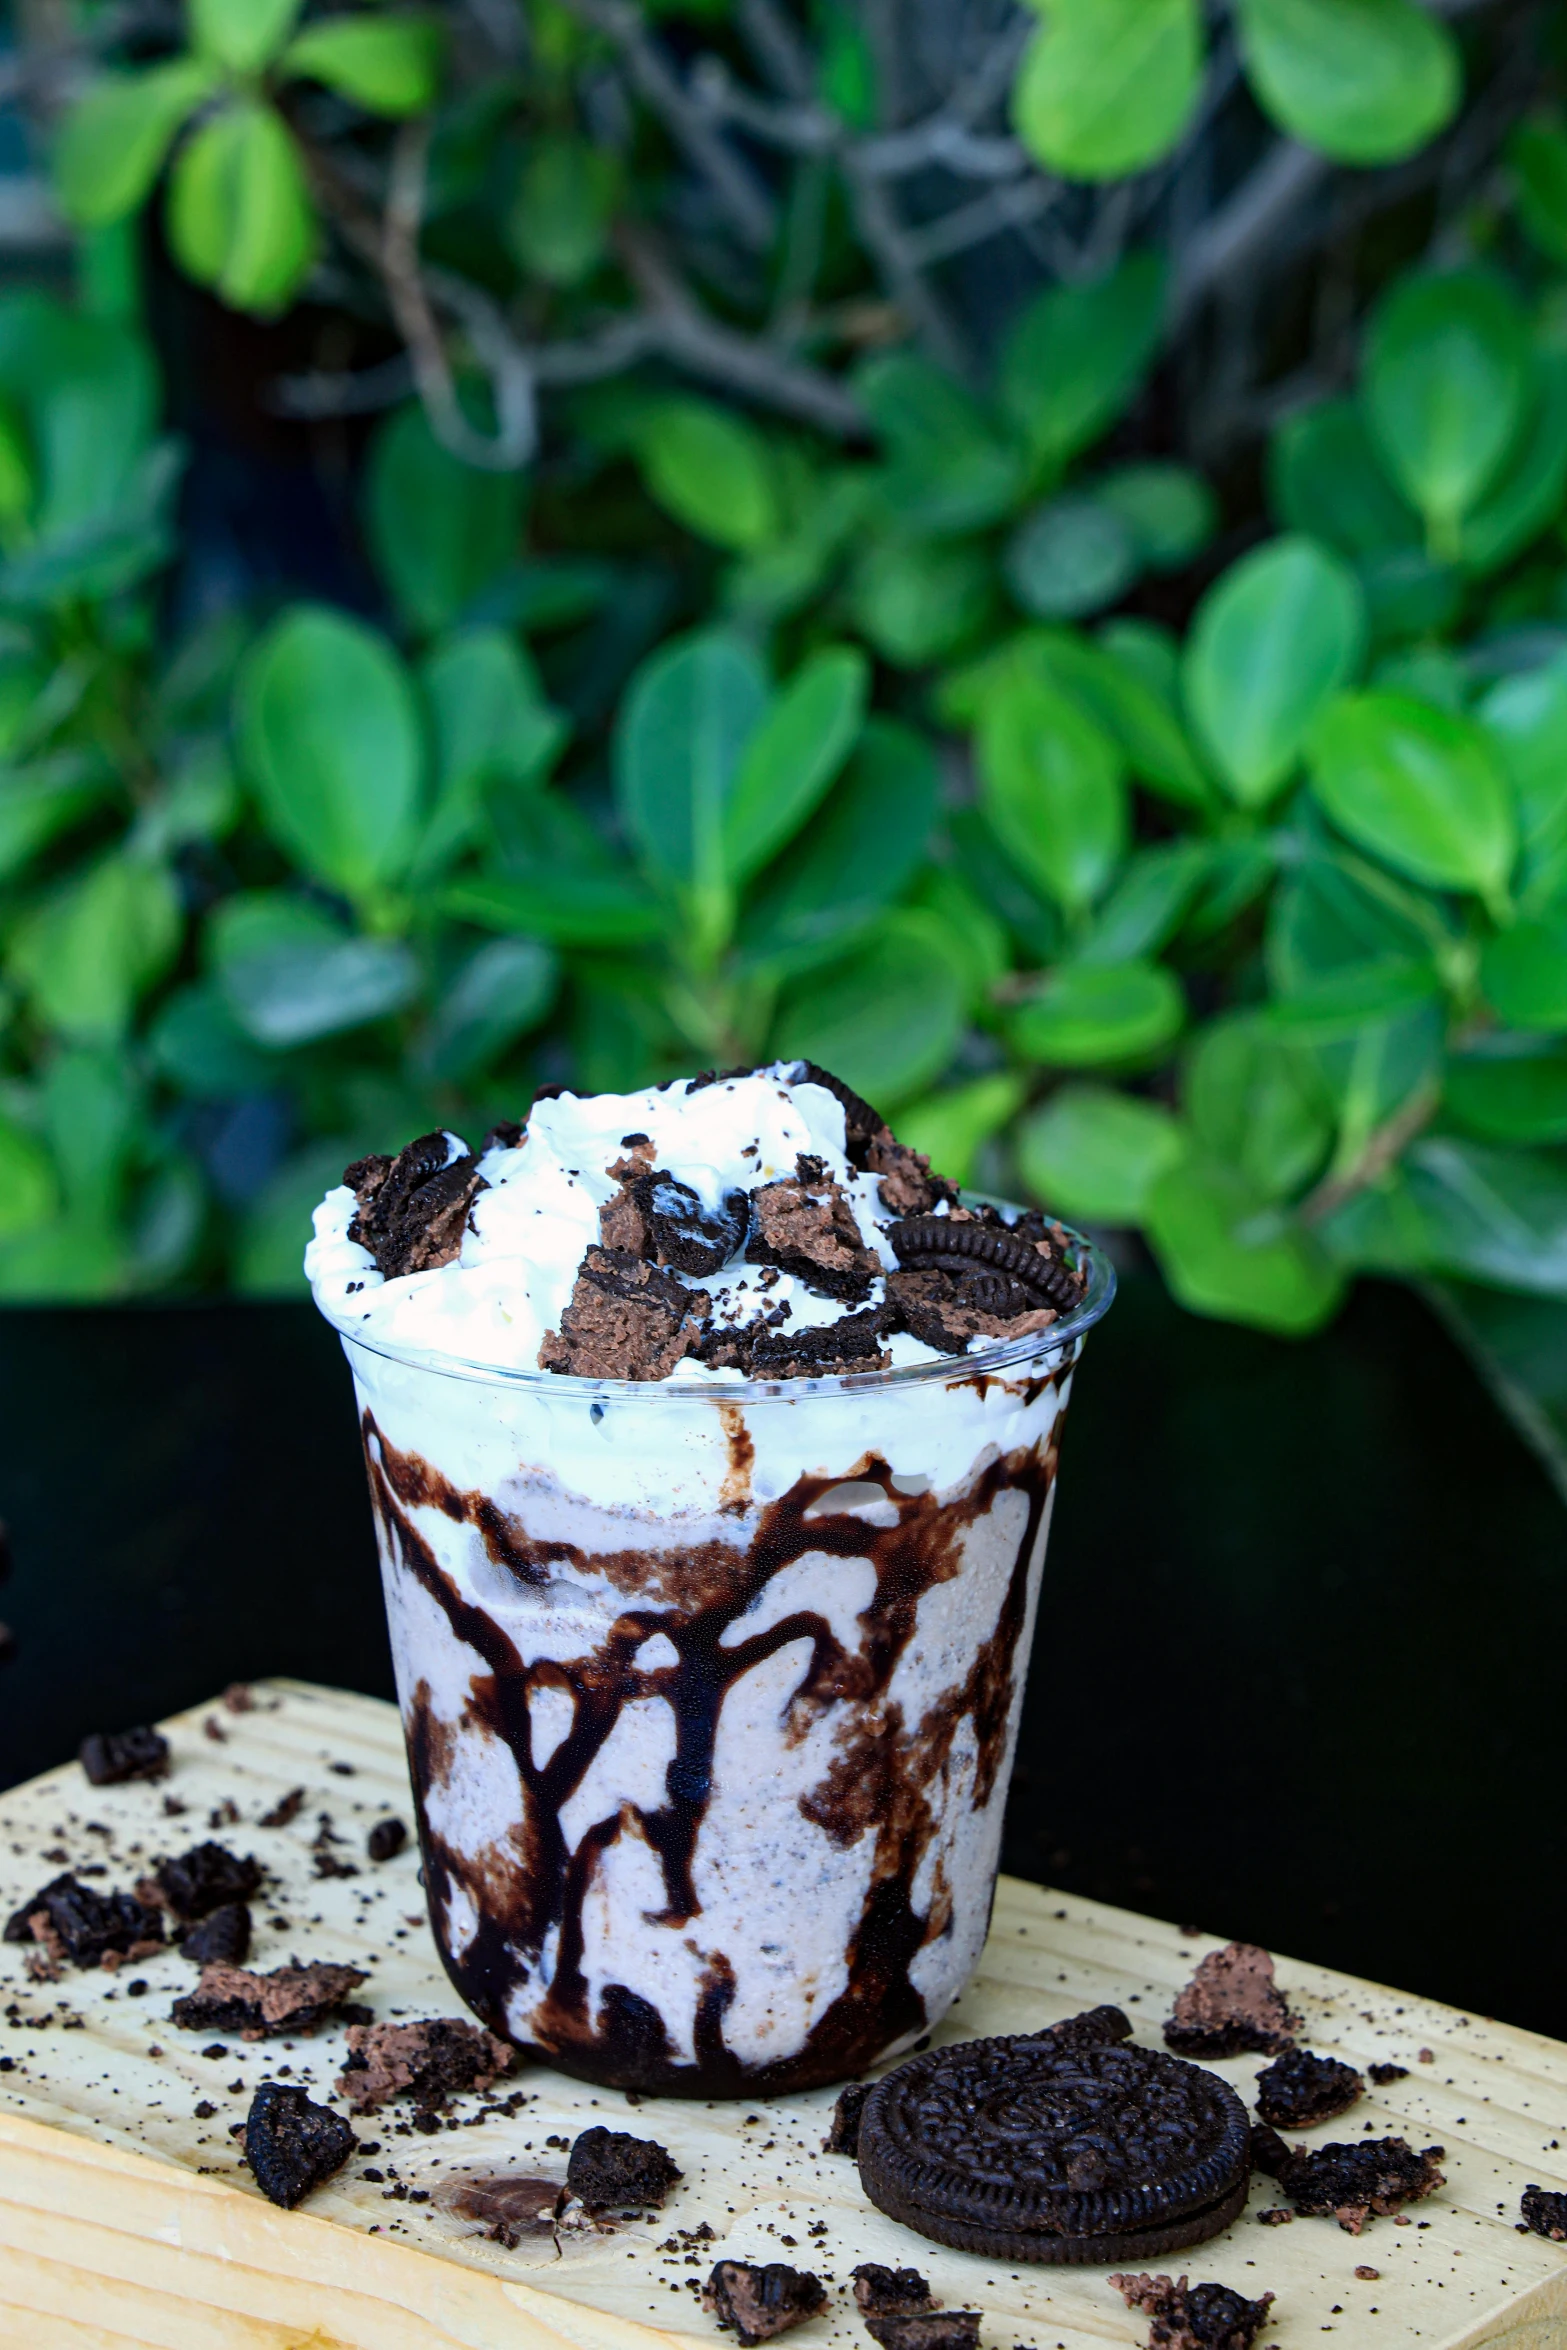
{"x":431,"y":2061}
{"x":111,"y":1757}
{"x":206,"y":1878}
{"x":843,"y":2132}
{"x":805,"y":1225}
{"x":931,"y":2329}
{"x":291,"y":2144}
{"x":626,"y":1320}
{"x":260,"y":2007}
{"x":658,"y":1217}
{"x":221,"y":1939}
{"x":76,"y":1922}
{"x":890,"y":2292}
{"x":1194,"y":2317}
{"x":758,"y":2300}
{"x":507,"y":2207}
{"x":413,"y":1209}
{"x":818,"y":1349}
{"x":1096,"y":2027}
{"x":611,"y":2167}
{"x":862,"y":1125}
{"x":1027,"y":1253}
{"x":1232,"y":2006}
{"x":1299,"y":2089}
{"x":1544,"y":2212}
{"x":386,"y":1839}
{"x":1349,"y":2182}
{"x":1385,"y":2074}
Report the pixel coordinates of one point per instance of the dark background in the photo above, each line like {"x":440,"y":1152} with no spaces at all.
{"x":1298,"y":1675}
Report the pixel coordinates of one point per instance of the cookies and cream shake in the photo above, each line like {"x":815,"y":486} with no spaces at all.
{"x":711,"y":1441}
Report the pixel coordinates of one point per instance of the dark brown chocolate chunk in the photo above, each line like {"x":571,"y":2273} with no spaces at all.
{"x":505,"y":1135}
{"x":611,"y":2167}
{"x":76,"y":1921}
{"x":931,"y":2329}
{"x":292,"y":2145}
{"x":676,"y":1229}
{"x":626,"y":1320}
{"x":287,"y":1807}
{"x":206,"y":1878}
{"x":386,"y":1839}
{"x":1299,"y":2089}
{"x":805,"y":1225}
{"x":1232,"y":2005}
{"x":507,"y":2207}
{"x":431,"y":2061}
{"x":221,"y":1939}
{"x":843,"y":2133}
{"x":706,"y":1077}
{"x":760,"y":2300}
{"x":890,"y":2292}
{"x":413,"y":1209}
{"x":259,"y":2007}
{"x":1544,"y":2210}
{"x":110,"y":1757}
{"x":1055,"y":2147}
{"x":1349,"y":2182}
{"x":1383,"y":2074}
{"x":1194,"y":2317}
{"x":852,"y":1343}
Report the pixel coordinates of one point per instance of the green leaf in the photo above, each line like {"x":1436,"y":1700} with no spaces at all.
{"x":1272,"y":642}
{"x":490,"y":724}
{"x":91,"y":1118}
{"x":1326,"y":479}
{"x":27,"y":1185}
{"x":977,"y":933}
{"x":856,"y":856}
{"x":290,"y":974}
{"x":1333,"y":913}
{"x":38,"y":803}
{"x":915,"y":602}
{"x":1094,"y":1154}
{"x":387,"y":64}
{"x":1226,"y":1254}
{"x":329,"y":732}
{"x":240,"y":216}
{"x":1341,"y":1004}
{"x":441,"y":531}
{"x":88,"y":952}
{"x":952,"y":1127}
{"x":572,"y":907}
{"x":1169,"y":510}
{"x":1072,"y":556}
{"x":1052,"y":786}
{"x":89,"y":389}
{"x":241,"y":35}
{"x":989,"y":873}
{"x":1078,"y":353}
{"x":505,"y":988}
{"x":1537,"y":153}
{"x":1136,"y":693}
{"x":1525,"y":717}
{"x":1527,"y":495}
{"x":1448,"y":386}
{"x":1086,"y":1014}
{"x":1493,"y":1215}
{"x":1523,"y":972}
{"x":112,"y":144}
{"x":790,"y":761}
{"x":683,"y":729}
{"x":1108,"y":86}
{"x":949,"y":470}
{"x":711,"y":471}
{"x":558,"y":226}
{"x":271,"y":1257}
{"x":1255,"y":1103}
{"x":1509,"y":1088}
{"x":1362,"y":81}
{"x":1419,"y":788}
{"x":1145,"y":907}
{"x":199,"y":1046}
{"x":888,"y":1021}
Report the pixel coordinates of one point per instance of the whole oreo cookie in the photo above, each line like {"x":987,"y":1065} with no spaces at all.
{"x":1056,"y":2147}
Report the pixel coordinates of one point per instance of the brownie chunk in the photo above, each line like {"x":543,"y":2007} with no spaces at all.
{"x":843,"y":2132}
{"x":1194,"y":2317}
{"x":931,"y":2329}
{"x":662,"y":1219}
{"x":759,"y":2300}
{"x":907,"y":1184}
{"x":852,"y":1343}
{"x":110,"y":1757}
{"x":611,"y":2166}
{"x":1298,"y":2089}
{"x":1545,"y":2211}
{"x":1349,"y":2182}
{"x":260,"y":2007}
{"x":206,"y":1878}
{"x":432,"y":2061}
{"x":221,"y":1939}
{"x":77,"y":1922}
{"x":890,"y":2292}
{"x":626,"y":1320}
{"x":506,"y":2207}
{"x":413,"y":1209}
{"x":1231,"y":2005}
{"x":1382,"y":2074}
{"x":385,"y":1839}
{"x":292,"y":2145}
{"x":806,"y":1226}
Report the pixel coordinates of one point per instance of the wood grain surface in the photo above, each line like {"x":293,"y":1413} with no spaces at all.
{"x":126,"y":2217}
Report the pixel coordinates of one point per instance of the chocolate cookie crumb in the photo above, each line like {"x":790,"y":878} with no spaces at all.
{"x":852,"y":1343}
{"x":111,"y":1757}
{"x":907,"y":1186}
{"x":843,"y":2132}
{"x":1545,"y":2211}
{"x":1279,"y":2216}
{"x":890,"y":2292}
{"x":660,"y":1218}
{"x":1298,"y":2089}
{"x":435,"y":2060}
{"x":287,"y":1807}
{"x":1232,"y":2004}
{"x":505,"y":2206}
{"x":804,"y":1224}
{"x":70,"y":1920}
{"x":861,"y":1124}
{"x":385,"y":1839}
{"x":1382,"y":2074}
{"x":259,"y":2007}
{"x":933,"y":2329}
{"x":1096,"y":2027}
{"x":292,"y":2145}
{"x":222,"y":1938}
{"x":206,"y":1878}
{"x":626,"y":1320}
{"x":611,"y":2167}
{"x":759,"y":2300}
{"x":1194,"y":2317}
{"x":413,"y":1209}
{"x":1349,"y":2182}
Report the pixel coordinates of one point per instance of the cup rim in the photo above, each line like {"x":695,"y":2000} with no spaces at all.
{"x":951,"y":1370}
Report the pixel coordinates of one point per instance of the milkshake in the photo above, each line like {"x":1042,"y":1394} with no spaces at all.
{"x":711,"y":1441}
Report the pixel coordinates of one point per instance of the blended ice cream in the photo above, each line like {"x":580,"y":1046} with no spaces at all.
{"x":711,"y":1441}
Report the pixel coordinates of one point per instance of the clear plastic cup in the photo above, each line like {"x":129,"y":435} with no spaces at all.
{"x":711,"y":1693}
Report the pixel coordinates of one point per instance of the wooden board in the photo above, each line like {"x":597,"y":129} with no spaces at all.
{"x":125,"y":2218}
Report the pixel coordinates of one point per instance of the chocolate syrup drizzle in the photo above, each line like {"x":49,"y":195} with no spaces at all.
{"x":881,"y":1780}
